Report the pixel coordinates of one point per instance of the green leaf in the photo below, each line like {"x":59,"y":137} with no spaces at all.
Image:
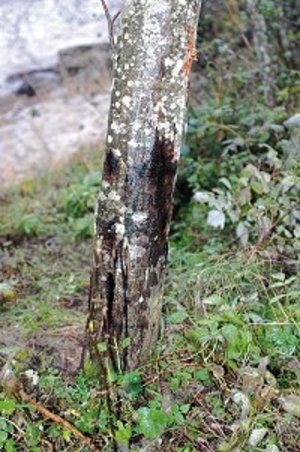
{"x":216,"y":219}
{"x":231,"y":334}
{"x":66,"y":435}
{"x":185,"y":408}
{"x":178,"y":316}
{"x":225,"y":182}
{"x":10,"y":445}
{"x":124,"y":433}
{"x":102,"y":346}
{"x":151,"y":422}
{"x":134,"y":384}
{"x":278,"y":276}
{"x":202,"y":375}
{"x":291,"y":404}
{"x":214,"y":300}
{"x":257,"y":187}
{"x":175,"y":383}
{"x":242,"y":232}
{"x":126,"y":342}
{"x":7,"y":293}
{"x":33,"y":435}
{"x":3,"y":424}
{"x":3,"y":436}
{"x":7,"y":406}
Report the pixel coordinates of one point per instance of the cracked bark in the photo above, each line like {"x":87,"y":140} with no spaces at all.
{"x":133,"y":213}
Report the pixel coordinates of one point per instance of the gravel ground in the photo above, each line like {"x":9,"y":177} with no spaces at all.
{"x":32,"y":31}
{"x":38,"y":132}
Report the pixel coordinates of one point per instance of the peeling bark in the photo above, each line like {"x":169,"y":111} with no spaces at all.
{"x":152,"y":62}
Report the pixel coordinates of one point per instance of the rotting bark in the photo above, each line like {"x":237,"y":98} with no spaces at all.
{"x":263,"y":51}
{"x":152,"y":63}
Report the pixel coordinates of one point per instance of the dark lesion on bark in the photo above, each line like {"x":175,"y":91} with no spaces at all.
{"x":162,"y":179}
{"x":110,"y":295}
{"x":150,"y":186}
{"x":111,"y":164}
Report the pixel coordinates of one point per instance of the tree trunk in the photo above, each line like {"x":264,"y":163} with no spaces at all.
{"x":152,"y":63}
{"x":263,"y":51}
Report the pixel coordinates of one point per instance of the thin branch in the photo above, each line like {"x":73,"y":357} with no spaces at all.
{"x":110,"y":22}
{"x":58,"y":420}
{"x":111,"y":31}
{"x":115,"y":18}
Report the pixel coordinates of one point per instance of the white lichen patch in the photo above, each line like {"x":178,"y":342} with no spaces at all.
{"x":117,"y":153}
{"x":132,"y":143}
{"x":113,"y":196}
{"x":126,"y":101}
{"x":139,"y":217}
{"x":119,"y":230}
{"x":177,"y":68}
{"x":115,"y":126}
{"x":135,"y":252}
{"x":168,"y":62}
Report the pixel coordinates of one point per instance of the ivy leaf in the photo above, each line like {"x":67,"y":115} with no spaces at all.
{"x":124,"y":433}
{"x":10,"y":445}
{"x":244,"y":196}
{"x":126,"y":342}
{"x":214,"y":300}
{"x":202,"y":375}
{"x":291,"y":404}
{"x":225,"y":182}
{"x":242,"y":233}
{"x":278,"y":276}
{"x":151,"y":422}
{"x":3,"y":436}
{"x":102,"y":346}
{"x":134,"y":384}
{"x":216,"y":219}
{"x":7,"y":293}
{"x":178,"y":316}
{"x":185,"y":408}
{"x":257,"y":187}
{"x":7,"y":406}
{"x":202,"y":197}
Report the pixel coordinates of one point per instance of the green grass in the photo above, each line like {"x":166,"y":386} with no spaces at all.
{"x":226,"y":368}
{"x":229,"y":328}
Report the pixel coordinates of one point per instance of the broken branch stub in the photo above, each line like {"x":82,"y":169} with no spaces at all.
{"x":152,"y":62}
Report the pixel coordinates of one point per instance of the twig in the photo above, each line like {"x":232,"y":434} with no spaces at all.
{"x":58,"y":420}
{"x":110,"y":22}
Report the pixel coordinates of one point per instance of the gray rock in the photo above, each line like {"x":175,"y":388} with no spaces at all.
{"x":32,"y":32}
{"x":293,"y":121}
{"x":257,"y":435}
{"x":54,"y":82}
{"x":86,"y":69}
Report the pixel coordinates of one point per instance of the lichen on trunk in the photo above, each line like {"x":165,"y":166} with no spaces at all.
{"x":151,"y":70}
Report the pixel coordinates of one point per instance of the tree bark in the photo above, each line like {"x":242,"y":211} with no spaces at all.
{"x":263,"y":51}
{"x":152,"y":63}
